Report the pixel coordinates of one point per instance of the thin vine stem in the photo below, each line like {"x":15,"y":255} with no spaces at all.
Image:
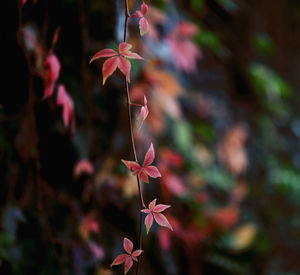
{"x":142,"y":204}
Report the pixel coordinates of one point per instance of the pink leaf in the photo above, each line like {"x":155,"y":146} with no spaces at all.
{"x":125,"y":67}
{"x":148,"y":222}
{"x":132,"y":166}
{"x":128,"y":264}
{"x":174,"y":184}
{"x":52,"y":65}
{"x":144,"y":177}
{"x":97,"y":251}
{"x":64,"y":100}
{"x":146,"y":211}
{"x":124,"y":47}
{"x":144,"y":26}
{"x":164,"y":239}
{"x":88,"y":224}
{"x":136,"y":253}
{"x":128,"y":245}
{"x":160,"y":207}
{"x":23,"y":2}
{"x":103,"y":53}
{"x":162,"y":220}
{"x":138,"y":14}
{"x":144,"y":113}
{"x":132,"y":55}
{"x":144,"y":8}
{"x":109,"y":66}
{"x":152,"y":205}
{"x":149,"y":157}
{"x":186,"y":29}
{"x":120,"y":259}
{"x":152,"y":171}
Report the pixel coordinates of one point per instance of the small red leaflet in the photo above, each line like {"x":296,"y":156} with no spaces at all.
{"x":154,"y":211}
{"x":129,"y":257}
{"x":144,"y":110}
{"x":52,"y":66}
{"x":146,"y":169}
{"x":116,"y":60}
{"x":64,"y":100}
{"x":143,"y":23}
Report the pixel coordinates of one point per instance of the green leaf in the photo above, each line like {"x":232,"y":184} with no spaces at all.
{"x":263,"y":44}
{"x":269,"y":82}
{"x":197,"y":4}
{"x":209,"y":39}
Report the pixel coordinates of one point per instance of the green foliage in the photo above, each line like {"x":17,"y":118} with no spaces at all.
{"x":263,"y":44}
{"x":209,"y":39}
{"x":268,"y":82}
{"x":197,"y":4}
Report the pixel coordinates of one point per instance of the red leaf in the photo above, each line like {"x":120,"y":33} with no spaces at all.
{"x":64,"y":100}
{"x":136,"y":253}
{"x":127,"y":258}
{"x":144,"y":177}
{"x":103,"y":53}
{"x":125,"y":67}
{"x":149,"y":157}
{"x":152,"y":171}
{"x":148,"y":222}
{"x":52,"y":65}
{"x":160,"y":207}
{"x":132,"y":55}
{"x":120,"y":259}
{"x":109,"y":66}
{"x":138,"y":14}
{"x":162,"y":220}
{"x":152,"y":205}
{"x":128,"y":245}
{"x":146,"y":211}
{"x":144,"y":26}
{"x":144,"y":110}
{"x":117,"y":60}
{"x":144,"y":8}
{"x":128,"y":264}
{"x":153,"y":212}
{"x":132,"y":166}
{"x":124,"y":47}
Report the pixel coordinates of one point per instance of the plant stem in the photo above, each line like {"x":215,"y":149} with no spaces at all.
{"x":142,"y":204}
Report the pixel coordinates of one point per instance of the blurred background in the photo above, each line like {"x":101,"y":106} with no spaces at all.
{"x":221,"y":78}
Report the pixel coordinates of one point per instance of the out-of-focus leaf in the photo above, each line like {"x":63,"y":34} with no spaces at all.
{"x":197,"y":4}
{"x":209,"y":39}
{"x":229,"y":5}
{"x":263,"y":44}
{"x":218,"y":178}
{"x":242,"y":237}
{"x":183,"y":136}
{"x":12,"y":216}
{"x":205,"y":131}
{"x":269,"y":82}
{"x":287,"y":179}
